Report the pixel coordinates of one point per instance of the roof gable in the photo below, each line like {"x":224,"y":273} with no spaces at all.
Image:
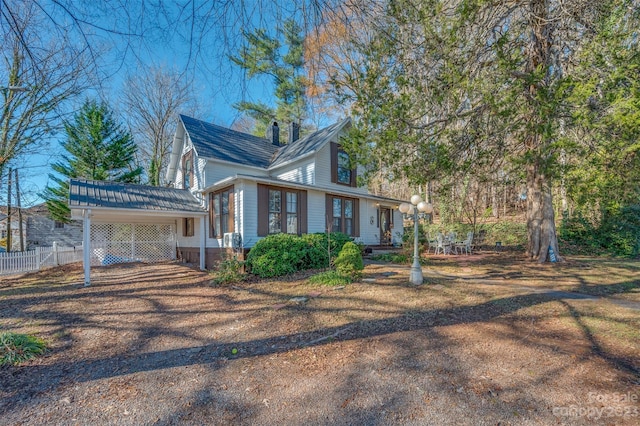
{"x":221,"y":143}
{"x":309,"y":144}
{"x":85,"y":193}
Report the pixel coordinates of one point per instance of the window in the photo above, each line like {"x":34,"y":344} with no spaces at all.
{"x":341,"y":171}
{"x":344,"y":215}
{"x":58,"y":225}
{"x":344,"y":171}
{"x":275,"y":208}
{"x":221,"y":212}
{"x":281,"y":210}
{"x":187,"y":168}
{"x":188,"y":227}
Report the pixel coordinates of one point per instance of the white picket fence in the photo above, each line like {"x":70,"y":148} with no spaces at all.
{"x":34,"y":260}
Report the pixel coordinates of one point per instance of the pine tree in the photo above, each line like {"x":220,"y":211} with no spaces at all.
{"x":263,"y":56}
{"x":97,"y":148}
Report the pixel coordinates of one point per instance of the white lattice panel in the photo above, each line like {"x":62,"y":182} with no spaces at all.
{"x":138,"y":242}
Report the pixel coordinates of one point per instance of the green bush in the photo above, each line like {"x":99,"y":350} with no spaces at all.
{"x":228,"y":271}
{"x":283,"y":254}
{"x":400,"y":258}
{"x":349,"y":261}
{"x":332,"y":278}
{"x":617,"y":233}
{"x":16,"y":348}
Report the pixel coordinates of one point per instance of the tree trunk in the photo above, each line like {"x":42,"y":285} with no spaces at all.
{"x":541,"y":228}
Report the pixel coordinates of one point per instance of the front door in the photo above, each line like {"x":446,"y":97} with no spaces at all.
{"x":385,"y":226}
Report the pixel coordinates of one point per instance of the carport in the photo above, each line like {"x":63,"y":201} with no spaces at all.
{"x":128,"y":223}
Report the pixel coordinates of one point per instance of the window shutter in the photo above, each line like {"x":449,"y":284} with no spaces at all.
{"x":334,"y":162}
{"x":354,"y":178}
{"x":356,"y":218}
{"x":232,"y":209}
{"x":302,"y":215}
{"x":263,"y":210}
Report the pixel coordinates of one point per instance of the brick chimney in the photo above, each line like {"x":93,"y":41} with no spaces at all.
{"x":273,"y":134}
{"x":294,"y":132}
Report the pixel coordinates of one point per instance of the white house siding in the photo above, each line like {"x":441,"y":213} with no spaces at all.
{"x":193,"y":241}
{"x":216,"y":171}
{"x":300,"y":172}
{"x":249,"y":216}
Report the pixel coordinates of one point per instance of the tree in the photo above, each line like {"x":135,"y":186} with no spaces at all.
{"x":463,"y":83}
{"x":153,"y":99}
{"x":39,"y":76}
{"x":262,"y":56}
{"x":97,"y":148}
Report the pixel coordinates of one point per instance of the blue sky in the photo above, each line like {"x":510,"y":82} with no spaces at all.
{"x":198,"y":44}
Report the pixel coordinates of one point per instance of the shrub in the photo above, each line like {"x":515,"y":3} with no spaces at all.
{"x":283,"y":254}
{"x":228,"y":271}
{"x":332,"y":278}
{"x":349,"y":261}
{"x":16,"y":348}
{"x":616,"y":232}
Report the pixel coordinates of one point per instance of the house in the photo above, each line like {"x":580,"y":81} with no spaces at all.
{"x":253,"y":187}
{"x":43,"y":231}
{"x":229,"y":189}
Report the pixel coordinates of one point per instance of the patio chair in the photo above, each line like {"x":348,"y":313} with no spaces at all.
{"x":465,"y":245}
{"x":431,"y":243}
{"x":442,"y":244}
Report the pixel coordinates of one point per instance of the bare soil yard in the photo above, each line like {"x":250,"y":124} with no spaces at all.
{"x":488,"y":339}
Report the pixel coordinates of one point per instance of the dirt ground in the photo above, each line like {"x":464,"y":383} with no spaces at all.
{"x":488,"y":339}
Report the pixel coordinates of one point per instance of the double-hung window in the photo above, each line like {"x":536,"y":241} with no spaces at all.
{"x":187,"y":170}
{"x":343,"y":213}
{"x":281,"y":210}
{"x":341,"y":170}
{"x":221,"y":216}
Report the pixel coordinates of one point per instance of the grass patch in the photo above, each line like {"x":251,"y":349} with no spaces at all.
{"x":16,"y":348}
{"x":330,"y":278}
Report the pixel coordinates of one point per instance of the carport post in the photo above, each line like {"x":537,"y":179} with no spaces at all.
{"x":203,"y":238}
{"x":86,"y":246}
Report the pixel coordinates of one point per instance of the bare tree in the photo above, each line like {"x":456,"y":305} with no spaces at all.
{"x":40,"y":74}
{"x":153,"y":99}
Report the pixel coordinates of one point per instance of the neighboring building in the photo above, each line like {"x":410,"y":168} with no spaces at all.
{"x":39,"y":230}
{"x":230,"y":189}
{"x":43,"y":231}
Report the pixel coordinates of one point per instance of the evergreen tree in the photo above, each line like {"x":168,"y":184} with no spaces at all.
{"x":450,"y":88}
{"x":97,"y":148}
{"x":263,"y":56}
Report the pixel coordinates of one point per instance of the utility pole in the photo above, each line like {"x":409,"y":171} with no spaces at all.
{"x":9,"y":213}
{"x":19,"y":206}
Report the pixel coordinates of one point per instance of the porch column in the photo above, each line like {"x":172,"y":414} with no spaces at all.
{"x":86,"y":246}
{"x":203,"y":239}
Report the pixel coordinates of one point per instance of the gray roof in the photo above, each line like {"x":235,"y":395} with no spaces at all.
{"x":212,"y":141}
{"x":308,"y":144}
{"x":218,"y":142}
{"x":85,"y":193}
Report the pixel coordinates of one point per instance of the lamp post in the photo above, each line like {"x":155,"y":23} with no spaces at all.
{"x":417,"y":205}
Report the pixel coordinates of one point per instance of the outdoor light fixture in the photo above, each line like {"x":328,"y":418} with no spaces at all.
{"x":417,"y":205}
